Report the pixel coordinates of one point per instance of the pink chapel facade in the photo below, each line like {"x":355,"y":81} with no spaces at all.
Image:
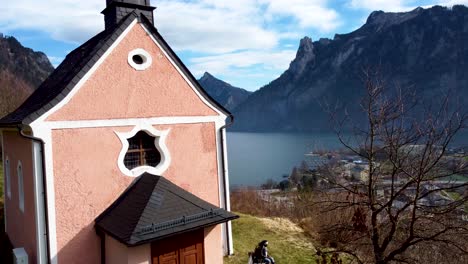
{"x":74,"y":150}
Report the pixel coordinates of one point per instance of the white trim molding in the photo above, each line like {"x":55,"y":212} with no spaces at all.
{"x":226,"y":188}
{"x":41,"y":235}
{"x":45,"y":133}
{"x":169,"y":120}
{"x":160,"y":144}
{"x":145,"y":57}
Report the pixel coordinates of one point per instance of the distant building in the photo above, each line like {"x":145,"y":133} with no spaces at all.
{"x":360,"y":173}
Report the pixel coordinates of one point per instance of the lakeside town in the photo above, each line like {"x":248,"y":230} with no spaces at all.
{"x":338,"y":171}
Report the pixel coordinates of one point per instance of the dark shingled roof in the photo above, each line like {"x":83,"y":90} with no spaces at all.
{"x":77,"y":63}
{"x":154,"y":208}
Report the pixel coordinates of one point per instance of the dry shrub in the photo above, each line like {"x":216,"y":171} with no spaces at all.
{"x":250,"y":201}
{"x":330,"y":224}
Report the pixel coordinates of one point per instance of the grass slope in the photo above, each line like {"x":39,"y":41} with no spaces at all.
{"x":287,"y":242}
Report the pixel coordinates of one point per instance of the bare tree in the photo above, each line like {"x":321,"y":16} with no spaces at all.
{"x":411,"y":203}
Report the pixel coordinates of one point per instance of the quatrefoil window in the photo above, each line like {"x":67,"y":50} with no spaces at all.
{"x":141,"y":151}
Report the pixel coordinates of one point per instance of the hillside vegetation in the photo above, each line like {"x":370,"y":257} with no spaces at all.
{"x":22,"y":70}
{"x":287,"y":242}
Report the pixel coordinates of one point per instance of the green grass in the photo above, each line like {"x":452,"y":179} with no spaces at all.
{"x":287,"y":243}
{"x":454,"y":195}
{"x":457,"y":177}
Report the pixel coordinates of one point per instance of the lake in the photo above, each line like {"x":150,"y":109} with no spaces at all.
{"x":256,"y":157}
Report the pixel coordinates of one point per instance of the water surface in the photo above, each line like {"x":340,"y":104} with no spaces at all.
{"x":256,"y":157}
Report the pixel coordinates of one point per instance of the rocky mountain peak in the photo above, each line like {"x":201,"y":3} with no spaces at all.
{"x":224,"y":93}
{"x":381,"y":20}
{"x":206,"y":76}
{"x":304,"y":55}
{"x":305,"y":46}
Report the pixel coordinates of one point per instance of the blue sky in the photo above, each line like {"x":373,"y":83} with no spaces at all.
{"x":247,"y":43}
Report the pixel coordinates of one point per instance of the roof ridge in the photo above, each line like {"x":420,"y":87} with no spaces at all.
{"x":65,"y":77}
{"x":123,"y":195}
{"x":180,"y":212}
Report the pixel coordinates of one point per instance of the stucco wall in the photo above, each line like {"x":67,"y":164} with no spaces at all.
{"x":87,"y":179}
{"x":116,"y":90}
{"x":21,"y":227}
{"x":117,"y":253}
{"x":213,"y":245}
{"x":140,"y":254}
{"x":86,"y":174}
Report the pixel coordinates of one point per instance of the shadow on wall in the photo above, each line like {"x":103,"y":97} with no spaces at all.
{"x":85,"y":247}
{"x":6,"y":249}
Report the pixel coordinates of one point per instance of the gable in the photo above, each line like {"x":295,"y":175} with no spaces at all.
{"x":115,"y":90}
{"x":57,"y":90}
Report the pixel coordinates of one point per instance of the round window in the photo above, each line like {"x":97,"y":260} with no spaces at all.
{"x":139,"y":59}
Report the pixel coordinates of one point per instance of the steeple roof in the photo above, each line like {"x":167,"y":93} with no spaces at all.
{"x":116,"y":10}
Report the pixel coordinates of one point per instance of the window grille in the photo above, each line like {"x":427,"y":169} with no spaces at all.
{"x":141,"y":151}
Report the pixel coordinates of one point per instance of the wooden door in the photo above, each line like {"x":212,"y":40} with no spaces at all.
{"x":181,"y":249}
{"x":192,"y":254}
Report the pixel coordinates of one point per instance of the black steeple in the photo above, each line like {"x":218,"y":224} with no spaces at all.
{"x":118,"y":9}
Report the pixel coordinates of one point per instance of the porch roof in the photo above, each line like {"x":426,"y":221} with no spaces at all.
{"x":154,"y":208}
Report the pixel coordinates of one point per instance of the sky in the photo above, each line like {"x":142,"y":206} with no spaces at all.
{"x":247,"y":43}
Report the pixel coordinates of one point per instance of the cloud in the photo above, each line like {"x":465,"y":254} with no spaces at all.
{"x":213,"y":26}
{"x":241,"y":37}
{"x":232,"y":62}
{"x":209,"y":26}
{"x":63,"y":20}
{"x":385,"y":5}
{"x":308,"y":13}
{"x":399,"y":5}
{"x":453,"y":2}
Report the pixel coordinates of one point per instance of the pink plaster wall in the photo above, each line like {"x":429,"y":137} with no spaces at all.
{"x":87,"y":179}
{"x":116,"y":90}
{"x":118,"y":253}
{"x":213,"y":245}
{"x":140,"y":254}
{"x":21,"y":227}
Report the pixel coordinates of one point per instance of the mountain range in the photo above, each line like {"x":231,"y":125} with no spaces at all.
{"x":424,"y":49}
